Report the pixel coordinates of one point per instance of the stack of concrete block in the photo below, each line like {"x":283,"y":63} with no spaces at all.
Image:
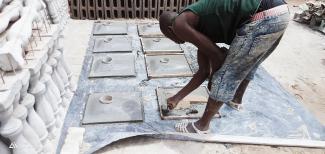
{"x":110,"y":9}
{"x":313,"y":14}
{"x":35,"y":87}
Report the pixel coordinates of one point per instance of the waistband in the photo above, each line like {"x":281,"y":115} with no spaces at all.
{"x":278,"y":10}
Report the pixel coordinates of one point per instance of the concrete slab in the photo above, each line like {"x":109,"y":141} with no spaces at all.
{"x":160,"y":46}
{"x":112,"y":65}
{"x":110,"y":28}
{"x":112,"y":44}
{"x":124,"y":107}
{"x":167,"y":66}
{"x":150,"y":30}
{"x":192,"y":106}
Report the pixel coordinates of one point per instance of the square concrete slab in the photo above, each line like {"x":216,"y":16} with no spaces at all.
{"x":150,"y":30}
{"x":113,"y":107}
{"x":192,"y":106}
{"x":167,"y":66}
{"x":110,"y":28}
{"x":113,"y":65}
{"x":160,"y":46}
{"x":113,"y":44}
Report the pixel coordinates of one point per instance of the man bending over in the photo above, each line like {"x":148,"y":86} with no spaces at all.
{"x":252,"y":28}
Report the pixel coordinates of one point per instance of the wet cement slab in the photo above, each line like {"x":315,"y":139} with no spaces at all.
{"x":159,"y":66}
{"x":110,"y":28}
{"x":112,"y":65}
{"x":192,"y":106}
{"x":155,"y":46}
{"x":150,"y":30}
{"x":111,"y":43}
{"x":113,"y":107}
{"x":268,"y":110}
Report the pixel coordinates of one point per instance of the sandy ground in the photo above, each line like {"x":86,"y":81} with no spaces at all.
{"x":298,"y":64}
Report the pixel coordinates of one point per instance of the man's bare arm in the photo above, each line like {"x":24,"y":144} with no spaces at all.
{"x":184,"y":28}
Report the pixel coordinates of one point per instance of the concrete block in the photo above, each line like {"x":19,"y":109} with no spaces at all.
{"x":160,"y":46}
{"x":119,"y":108}
{"x":150,"y":30}
{"x":167,"y":66}
{"x":110,"y":28}
{"x":112,"y":44}
{"x":112,"y":65}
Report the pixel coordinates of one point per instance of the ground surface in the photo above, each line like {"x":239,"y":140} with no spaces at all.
{"x":298,"y":64}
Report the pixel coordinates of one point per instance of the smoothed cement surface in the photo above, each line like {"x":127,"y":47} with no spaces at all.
{"x":120,"y":109}
{"x":112,"y":65}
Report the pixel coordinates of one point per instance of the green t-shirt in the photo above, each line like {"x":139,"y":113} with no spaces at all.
{"x":219,"y":19}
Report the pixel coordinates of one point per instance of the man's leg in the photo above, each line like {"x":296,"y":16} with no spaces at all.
{"x":211,"y":109}
{"x":198,"y":78}
{"x":245,"y":54}
{"x":240,"y":91}
{"x":243,"y":85}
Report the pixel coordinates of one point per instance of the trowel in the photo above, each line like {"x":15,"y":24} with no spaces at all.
{"x":164,"y":109}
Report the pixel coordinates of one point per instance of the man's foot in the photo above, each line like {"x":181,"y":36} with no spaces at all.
{"x":172,"y":102}
{"x":191,"y":127}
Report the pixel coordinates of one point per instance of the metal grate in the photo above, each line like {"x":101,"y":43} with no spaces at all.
{"x":110,"y":9}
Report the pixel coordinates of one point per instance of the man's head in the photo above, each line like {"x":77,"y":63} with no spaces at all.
{"x":166,"y":26}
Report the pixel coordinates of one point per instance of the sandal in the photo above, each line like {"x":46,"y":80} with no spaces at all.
{"x":234,"y":105}
{"x":182,"y":127}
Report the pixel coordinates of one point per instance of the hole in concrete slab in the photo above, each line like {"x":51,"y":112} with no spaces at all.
{"x":107,"y":3}
{"x":100,"y":14}
{"x":106,"y":99}
{"x":153,"y":4}
{"x":146,"y":4}
{"x":75,"y":13}
{"x":115,"y":3}
{"x":108,"y":14}
{"x":156,"y":39}
{"x":107,"y":60}
{"x":138,"y":14}
{"x":164,"y":60}
{"x":122,"y":4}
{"x":108,"y":40}
{"x":84,"y":14}
{"x":129,"y":3}
{"x":92,"y":14}
{"x":115,"y":14}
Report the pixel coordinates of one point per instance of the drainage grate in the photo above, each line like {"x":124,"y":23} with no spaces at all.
{"x":110,"y":9}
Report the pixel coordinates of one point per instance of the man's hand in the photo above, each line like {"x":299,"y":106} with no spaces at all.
{"x":172,"y":103}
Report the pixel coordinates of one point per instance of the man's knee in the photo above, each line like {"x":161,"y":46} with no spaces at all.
{"x":204,"y":71}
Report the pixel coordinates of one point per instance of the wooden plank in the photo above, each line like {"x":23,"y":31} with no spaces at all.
{"x":199,"y":97}
{"x":253,"y":140}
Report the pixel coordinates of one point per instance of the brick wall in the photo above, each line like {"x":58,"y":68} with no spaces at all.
{"x":110,"y":9}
